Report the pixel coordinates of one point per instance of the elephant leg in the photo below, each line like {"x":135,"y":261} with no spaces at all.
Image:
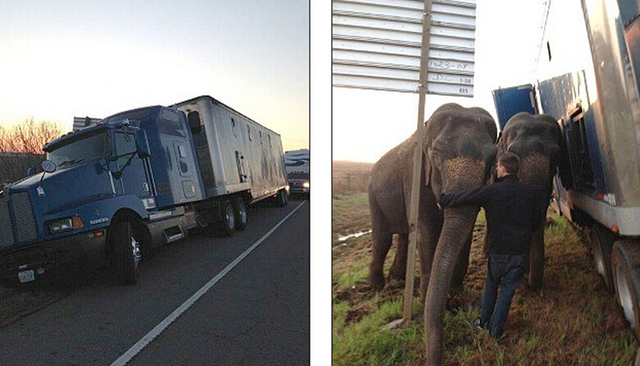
{"x":461,"y":266}
{"x":399,"y":267}
{"x":536,"y":259}
{"x":382,"y":237}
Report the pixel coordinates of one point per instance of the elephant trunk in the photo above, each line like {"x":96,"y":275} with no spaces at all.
{"x":458,"y":222}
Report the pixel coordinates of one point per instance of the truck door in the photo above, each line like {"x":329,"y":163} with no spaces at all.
{"x":134,"y":179}
{"x":185,"y":168}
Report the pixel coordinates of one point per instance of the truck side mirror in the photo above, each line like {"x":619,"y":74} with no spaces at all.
{"x":49,"y":166}
{"x":142,"y":144}
{"x":194,"y":122}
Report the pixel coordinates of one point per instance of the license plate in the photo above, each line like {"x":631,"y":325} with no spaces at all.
{"x":26,"y":276}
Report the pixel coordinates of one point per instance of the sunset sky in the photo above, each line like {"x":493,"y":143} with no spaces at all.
{"x":60,"y":59}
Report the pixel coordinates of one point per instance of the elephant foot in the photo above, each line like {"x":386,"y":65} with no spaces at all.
{"x":376,"y":280}
{"x":397,"y":274}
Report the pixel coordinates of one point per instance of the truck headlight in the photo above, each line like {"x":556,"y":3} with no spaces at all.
{"x":305,"y":185}
{"x":66,"y":224}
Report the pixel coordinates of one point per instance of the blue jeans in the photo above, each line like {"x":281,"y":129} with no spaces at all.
{"x":505,"y":272}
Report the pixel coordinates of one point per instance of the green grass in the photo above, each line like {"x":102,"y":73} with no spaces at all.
{"x":572,"y":320}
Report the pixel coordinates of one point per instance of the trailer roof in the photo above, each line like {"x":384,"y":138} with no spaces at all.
{"x":215,"y":101}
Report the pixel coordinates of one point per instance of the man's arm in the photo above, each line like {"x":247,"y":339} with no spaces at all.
{"x":476,"y":196}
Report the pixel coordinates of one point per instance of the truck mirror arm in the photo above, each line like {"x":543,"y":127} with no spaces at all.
{"x":118,"y":174}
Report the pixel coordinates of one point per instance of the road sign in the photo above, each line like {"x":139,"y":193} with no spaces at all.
{"x":377,"y":45}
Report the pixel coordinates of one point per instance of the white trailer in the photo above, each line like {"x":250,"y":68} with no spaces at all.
{"x":235,"y":153}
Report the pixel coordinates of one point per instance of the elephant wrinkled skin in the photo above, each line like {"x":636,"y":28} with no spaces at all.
{"x":459,"y":151}
{"x":537,"y":140}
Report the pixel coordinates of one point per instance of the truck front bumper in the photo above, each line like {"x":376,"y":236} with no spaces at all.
{"x":29,"y":262}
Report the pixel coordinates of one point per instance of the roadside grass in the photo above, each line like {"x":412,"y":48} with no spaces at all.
{"x":572,"y":320}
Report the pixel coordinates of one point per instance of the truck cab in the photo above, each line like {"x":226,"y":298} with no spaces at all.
{"x":109,"y":192}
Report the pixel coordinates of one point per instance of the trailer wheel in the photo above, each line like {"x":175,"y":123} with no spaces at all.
{"x":281,"y":198}
{"x":126,"y":250}
{"x":602,"y":241}
{"x":627,"y":283}
{"x":240,"y":212}
{"x":228,"y":219}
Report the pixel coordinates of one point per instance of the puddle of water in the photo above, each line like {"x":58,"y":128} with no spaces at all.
{"x":347,"y":237}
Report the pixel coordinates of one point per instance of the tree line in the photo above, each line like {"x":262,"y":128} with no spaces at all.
{"x":21,"y":148}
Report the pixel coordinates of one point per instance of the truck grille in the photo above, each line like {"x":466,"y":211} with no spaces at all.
{"x":6,"y":233}
{"x":16,"y":211}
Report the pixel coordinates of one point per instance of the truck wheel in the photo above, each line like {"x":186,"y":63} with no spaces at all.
{"x":281,"y":198}
{"x":240,"y":212}
{"x":126,"y":250}
{"x":228,"y":219}
{"x":602,"y":241}
{"x":627,"y":282}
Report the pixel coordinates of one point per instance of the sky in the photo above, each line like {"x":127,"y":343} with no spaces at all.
{"x":367,"y":124}
{"x":66,"y":58}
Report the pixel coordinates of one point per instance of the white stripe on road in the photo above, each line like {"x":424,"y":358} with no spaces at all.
{"x":149,"y":337}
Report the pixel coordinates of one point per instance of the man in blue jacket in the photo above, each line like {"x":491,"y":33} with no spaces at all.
{"x":510,"y":210}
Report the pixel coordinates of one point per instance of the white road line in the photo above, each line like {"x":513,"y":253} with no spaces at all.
{"x":149,"y":337}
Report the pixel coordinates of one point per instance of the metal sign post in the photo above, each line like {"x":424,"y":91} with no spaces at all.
{"x":417,"y":167}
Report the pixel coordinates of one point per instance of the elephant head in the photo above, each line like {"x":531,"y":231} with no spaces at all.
{"x":460,"y":151}
{"x":538,"y":142}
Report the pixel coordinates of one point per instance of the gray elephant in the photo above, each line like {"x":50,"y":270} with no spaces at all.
{"x":459,"y":150}
{"x":537,"y":140}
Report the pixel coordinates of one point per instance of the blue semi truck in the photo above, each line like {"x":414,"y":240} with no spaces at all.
{"x":112,"y":192}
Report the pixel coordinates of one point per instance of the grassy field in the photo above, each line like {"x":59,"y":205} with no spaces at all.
{"x":572,"y":320}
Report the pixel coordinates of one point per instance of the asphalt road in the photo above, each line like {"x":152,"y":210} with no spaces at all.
{"x":252,"y":309}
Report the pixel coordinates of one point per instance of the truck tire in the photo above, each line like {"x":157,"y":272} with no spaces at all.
{"x":126,"y":250}
{"x":281,"y":198}
{"x":602,"y":240}
{"x":228,"y":219}
{"x":625,"y":257}
{"x":240,"y":212}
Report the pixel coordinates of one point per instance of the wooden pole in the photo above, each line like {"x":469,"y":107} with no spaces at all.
{"x":417,"y":164}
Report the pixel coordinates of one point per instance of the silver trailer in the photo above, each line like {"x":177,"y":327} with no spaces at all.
{"x":235,"y":154}
{"x":588,"y":78}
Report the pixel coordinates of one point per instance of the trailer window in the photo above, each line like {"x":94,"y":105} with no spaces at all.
{"x":579,"y":150}
{"x":249,"y":132}
{"x":233,"y":128}
{"x":85,"y":148}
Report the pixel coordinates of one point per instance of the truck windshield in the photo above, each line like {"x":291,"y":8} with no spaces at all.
{"x":84,"y":149}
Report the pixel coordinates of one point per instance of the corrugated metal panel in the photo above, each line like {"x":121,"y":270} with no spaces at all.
{"x":376,"y":45}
